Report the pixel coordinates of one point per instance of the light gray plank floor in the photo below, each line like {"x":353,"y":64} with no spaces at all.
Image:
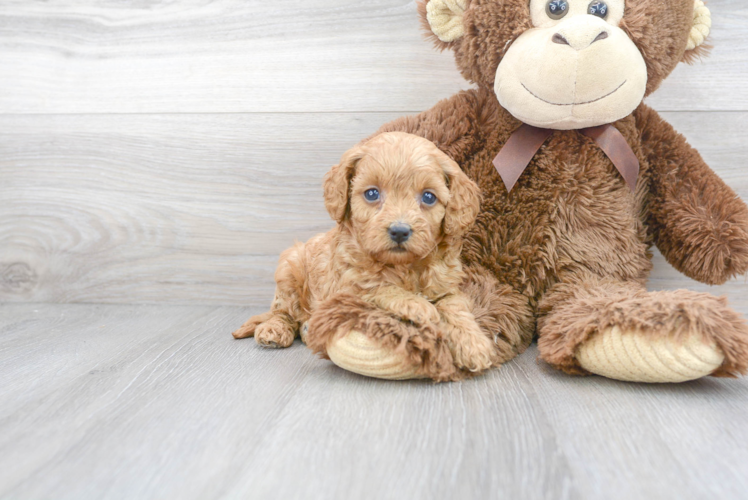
{"x":107,"y":401}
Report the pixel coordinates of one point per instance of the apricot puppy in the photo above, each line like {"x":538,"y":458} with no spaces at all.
{"x":402,"y":206}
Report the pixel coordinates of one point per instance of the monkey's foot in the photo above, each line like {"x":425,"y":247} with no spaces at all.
{"x":621,"y":331}
{"x":364,"y":339}
{"x":364,"y":355}
{"x":636,"y":356}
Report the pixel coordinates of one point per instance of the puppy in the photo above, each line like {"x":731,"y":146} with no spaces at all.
{"x":401,"y":207}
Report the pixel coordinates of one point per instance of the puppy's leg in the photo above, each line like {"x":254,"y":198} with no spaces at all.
{"x":249,"y":327}
{"x":362,"y":337}
{"x":278,"y":331}
{"x":502,"y":313}
{"x":471,"y":348}
{"x":279,"y":326}
{"x":406,"y":305}
{"x":275,"y":328}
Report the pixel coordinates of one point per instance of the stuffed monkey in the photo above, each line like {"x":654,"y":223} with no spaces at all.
{"x":579,"y":179}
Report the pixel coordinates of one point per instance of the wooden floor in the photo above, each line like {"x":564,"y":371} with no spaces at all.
{"x":107,"y":401}
{"x":164,"y":153}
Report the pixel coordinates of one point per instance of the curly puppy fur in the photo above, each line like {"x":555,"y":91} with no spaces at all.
{"x":570,"y":223}
{"x":422,"y":346}
{"x":402,"y":294}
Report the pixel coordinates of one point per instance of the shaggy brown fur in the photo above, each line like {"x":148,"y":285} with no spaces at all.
{"x":496,"y":309}
{"x":570,"y":241}
{"x":600,"y":304}
{"x":407,"y":294}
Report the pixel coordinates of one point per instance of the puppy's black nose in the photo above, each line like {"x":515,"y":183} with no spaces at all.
{"x":399,"y":233}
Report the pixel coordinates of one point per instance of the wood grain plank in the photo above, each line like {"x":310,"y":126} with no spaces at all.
{"x":626,"y":441}
{"x":292,"y":56}
{"x":218,"y":56}
{"x":162,"y":403}
{"x":157,"y":399}
{"x":692,"y":87}
{"x":201,"y":198}
{"x":485,"y":438}
{"x":196,"y":208}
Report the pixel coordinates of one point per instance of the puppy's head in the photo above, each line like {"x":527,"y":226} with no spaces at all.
{"x":401,"y":196}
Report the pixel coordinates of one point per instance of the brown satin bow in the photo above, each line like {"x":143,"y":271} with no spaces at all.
{"x":522,"y":146}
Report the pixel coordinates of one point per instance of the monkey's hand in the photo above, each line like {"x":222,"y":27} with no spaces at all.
{"x":698,"y":222}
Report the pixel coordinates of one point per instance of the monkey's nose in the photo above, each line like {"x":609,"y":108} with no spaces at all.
{"x":559,"y":39}
{"x":399,"y":233}
{"x":580,"y":39}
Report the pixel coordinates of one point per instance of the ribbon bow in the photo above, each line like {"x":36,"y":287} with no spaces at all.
{"x":522,"y":146}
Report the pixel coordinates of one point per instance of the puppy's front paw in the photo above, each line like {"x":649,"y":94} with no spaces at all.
{"x":474,"y":353}
{"x":274,"y":333}
{"x":249,"y":327}
{"x":471,"y":348}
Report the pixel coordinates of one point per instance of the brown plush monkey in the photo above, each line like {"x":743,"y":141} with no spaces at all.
{"x":565,"y":251}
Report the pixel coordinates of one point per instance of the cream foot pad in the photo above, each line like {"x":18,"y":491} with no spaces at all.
{"x":360,"y":354}
{"x":637,"y":357}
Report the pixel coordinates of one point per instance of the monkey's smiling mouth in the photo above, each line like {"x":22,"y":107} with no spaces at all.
{"x":573,"y":103}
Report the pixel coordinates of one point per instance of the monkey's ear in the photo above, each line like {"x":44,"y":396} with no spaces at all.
{"x":464,"y":198}
{"x":444,"y":18}
{"x":336,"y":185}
{"x":702,"y":25}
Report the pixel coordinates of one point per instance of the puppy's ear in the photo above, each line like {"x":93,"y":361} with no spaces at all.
{"x":337,"y":183}
{"x":464,"y":198}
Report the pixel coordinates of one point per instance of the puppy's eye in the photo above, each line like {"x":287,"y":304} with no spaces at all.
{"x":371,"y":194}
{"x":556,"y":9}
{"x":428,"y":198}
{"x":599,"y":9}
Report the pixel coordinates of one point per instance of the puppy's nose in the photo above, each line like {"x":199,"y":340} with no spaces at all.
{"x":399,"y":233}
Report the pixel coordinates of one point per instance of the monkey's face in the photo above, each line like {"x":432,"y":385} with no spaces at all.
{"x":568,"y":64}
{"x":574,"y":68}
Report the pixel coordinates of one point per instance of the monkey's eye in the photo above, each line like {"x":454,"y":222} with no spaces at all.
{"x":428,"y":198}
{"x":371,"y":194}
{"x":599,"y":9}
{"x":556,"y":9}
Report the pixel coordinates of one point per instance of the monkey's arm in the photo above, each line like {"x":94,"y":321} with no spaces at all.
{"x":699,"y":224}
{"x":453,"y":124}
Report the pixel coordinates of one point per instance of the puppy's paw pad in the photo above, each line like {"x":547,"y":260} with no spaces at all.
{"x":303,"y":331}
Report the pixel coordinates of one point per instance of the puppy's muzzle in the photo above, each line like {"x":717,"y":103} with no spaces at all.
{"x":399,"y":233}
